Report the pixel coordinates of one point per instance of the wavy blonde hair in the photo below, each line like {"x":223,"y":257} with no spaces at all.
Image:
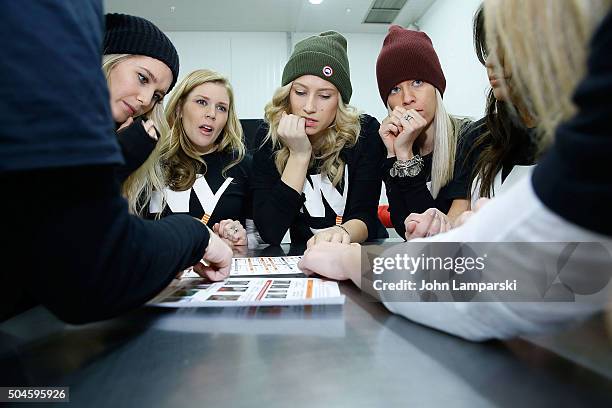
{"x":344,"y":132}
{"x":180,"y":158}
{"x":139,"y":186}
{"x":546,"y":52}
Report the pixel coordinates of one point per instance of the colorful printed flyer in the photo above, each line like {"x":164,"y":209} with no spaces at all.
{"x":252,"y":292}
{"x":261,"y":266}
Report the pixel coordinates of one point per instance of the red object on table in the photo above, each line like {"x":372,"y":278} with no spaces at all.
{"x":385,"y":216}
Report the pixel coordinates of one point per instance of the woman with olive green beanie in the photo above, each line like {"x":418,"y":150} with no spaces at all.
{"x":317,"y":172}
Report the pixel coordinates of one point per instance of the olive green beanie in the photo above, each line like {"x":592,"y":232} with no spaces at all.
{"x":323,"y":55}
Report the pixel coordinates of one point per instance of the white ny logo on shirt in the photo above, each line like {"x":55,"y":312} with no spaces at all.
{"x":322,"y":187}
{"x":178,"y":201}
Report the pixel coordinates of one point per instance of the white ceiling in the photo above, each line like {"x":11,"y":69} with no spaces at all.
{"x":263,"y":15}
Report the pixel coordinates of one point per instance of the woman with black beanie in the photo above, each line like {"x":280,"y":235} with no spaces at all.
{"x":141,"y":66}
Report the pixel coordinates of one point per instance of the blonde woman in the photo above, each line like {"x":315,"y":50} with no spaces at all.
{"x":202,"y":157}
{"x":420,"y":137}
{"x":317,"y":172}
{"x":495,"y":151}
{"x":566,"y":198}
{"x":141,"y":66}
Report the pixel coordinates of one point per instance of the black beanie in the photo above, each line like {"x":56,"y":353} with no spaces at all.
{"x":127,"y":34}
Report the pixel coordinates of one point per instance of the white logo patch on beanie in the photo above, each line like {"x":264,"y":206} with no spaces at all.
{"x":328,"y":71}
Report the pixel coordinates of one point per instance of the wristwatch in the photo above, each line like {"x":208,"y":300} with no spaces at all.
{"x":410,"y":168}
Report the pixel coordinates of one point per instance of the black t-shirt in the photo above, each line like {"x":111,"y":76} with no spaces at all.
{"x":218,"y":196}
{"x":523,"y":153}
{"x":412,"y":195}
{"x":34,"y":133}
{"x":278,"y":208}
{"x":573,"y":178}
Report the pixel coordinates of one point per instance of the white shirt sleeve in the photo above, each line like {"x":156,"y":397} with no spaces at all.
{"x":514,"y":216}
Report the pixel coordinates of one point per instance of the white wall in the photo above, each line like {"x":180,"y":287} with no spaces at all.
{"x":254,"y":64}
{"x":252,"y":61}
{"x":449,"y":25}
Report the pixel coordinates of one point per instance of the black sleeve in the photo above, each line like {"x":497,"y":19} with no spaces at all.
{"x":136,"y":146}
{"x":409,"y":195}
{"x":366,"y":182}
{"x":247,"y":164}
{"x":275,"y":204}
{"x":465,"y":161}
{"x":96,"y":267}
{"x":573,"y":178}
{"x":239,"y":207}
{"x":406,"y":195}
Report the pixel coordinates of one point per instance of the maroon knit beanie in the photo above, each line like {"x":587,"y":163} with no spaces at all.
{"x":405,"y":55}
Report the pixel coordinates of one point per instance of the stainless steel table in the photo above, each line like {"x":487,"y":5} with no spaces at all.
{"x":356,"y":355}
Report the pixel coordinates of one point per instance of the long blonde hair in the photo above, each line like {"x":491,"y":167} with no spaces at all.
{"x":445,"y":148}
{"x":344,"y":132}
{"x":180,"y":158}
{"x":139,"y":186}
{"x":545,"y":44}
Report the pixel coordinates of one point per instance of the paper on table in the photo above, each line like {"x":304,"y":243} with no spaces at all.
{"x":260,"y":266}
{"x":253,"y":292}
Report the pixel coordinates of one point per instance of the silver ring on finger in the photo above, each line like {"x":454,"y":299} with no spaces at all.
{"x":408,"y":117}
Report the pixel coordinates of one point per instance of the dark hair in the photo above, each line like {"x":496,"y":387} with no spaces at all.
{"x":495,"y":142}
{"x":480,"y":36}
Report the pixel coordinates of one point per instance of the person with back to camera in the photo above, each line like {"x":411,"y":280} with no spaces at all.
{"x":74,"y":247}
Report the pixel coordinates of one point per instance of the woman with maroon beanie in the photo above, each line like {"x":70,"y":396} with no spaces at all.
{"x":420,"y":136}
